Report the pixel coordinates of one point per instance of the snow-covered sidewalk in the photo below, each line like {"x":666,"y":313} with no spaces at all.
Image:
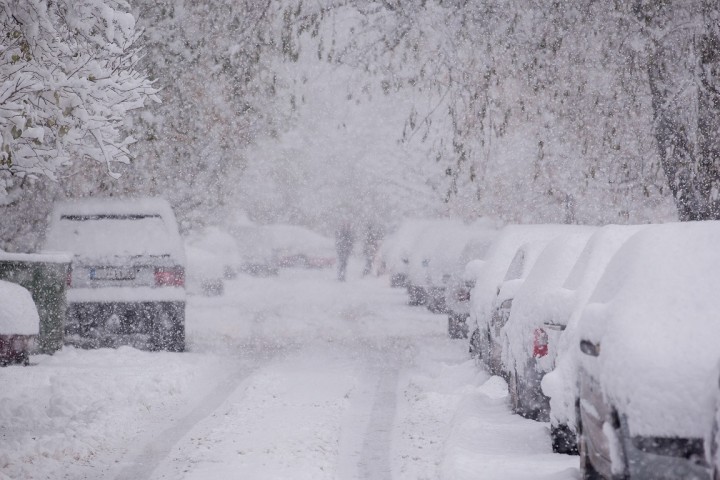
{"x":294,"y":377}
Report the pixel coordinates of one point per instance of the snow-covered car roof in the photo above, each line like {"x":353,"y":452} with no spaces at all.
{"x":498,"y":260}
{"x":217,"y":241}
{"x":654,"y":314}
{"x":18,"y":314}
{"x":296,"y":239}
{"x":119,"y":227}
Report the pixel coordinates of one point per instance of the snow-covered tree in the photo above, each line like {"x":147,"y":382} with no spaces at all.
{"x":68,"y":78}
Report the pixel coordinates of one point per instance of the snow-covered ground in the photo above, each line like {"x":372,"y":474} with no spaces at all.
{"x":297,"y":377}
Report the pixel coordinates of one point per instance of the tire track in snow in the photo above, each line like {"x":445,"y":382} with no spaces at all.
{"x":368,"y":430}
{"x":141,"y":466}
{"x":374,"y":461}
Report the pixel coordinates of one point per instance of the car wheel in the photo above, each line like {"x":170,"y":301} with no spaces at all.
{"x":563,"y":439}
{"x":587,"y":471}
{"x":168,"y":332}
{"x":475,"y":345}
{"x":456,"y":327}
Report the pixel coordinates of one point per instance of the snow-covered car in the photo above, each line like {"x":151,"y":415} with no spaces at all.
{"x":212,"y":256}
{"x":431,"y":256}
{"x":294,"y":246}
{"x":395,"y":250}
{"x":562,"y":308}
{"x":253,"y":246}
{"x":127,"y":279}
{"x":524,"y":337}
{"x":446,"y":258}
{"x":487,"y":284}
{"x":518,"y":271}
{"x":19,"y":323}
{"x":649,"y":339}
{"x":457,"y":297}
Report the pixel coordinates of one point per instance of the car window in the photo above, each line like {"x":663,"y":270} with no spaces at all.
{"x":110,"y":234}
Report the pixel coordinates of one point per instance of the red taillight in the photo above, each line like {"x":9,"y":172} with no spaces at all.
{"x":170,"y":277}
{"x":68,"y":278}
{"x":540,"y":343}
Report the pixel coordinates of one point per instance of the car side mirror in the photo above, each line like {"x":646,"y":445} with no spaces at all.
{"x":589,"y":348}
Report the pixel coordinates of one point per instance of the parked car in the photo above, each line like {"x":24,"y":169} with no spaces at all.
{"x":462,"y":279}
{"x":212,"y":257}
{"x":487,"y":284}
{"x":446,"y":266}
{"x":395,"y":250}
{"x":294,"y":246}
{"x":525,"y":335}
{"x":19,"y":324}
{"x":127,"y":279}
{"x":649,"y":341}
{"x":563,"y":307}
{"x":253,"y":246}
{"x":428,"y":257}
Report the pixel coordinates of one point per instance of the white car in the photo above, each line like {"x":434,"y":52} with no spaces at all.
{"x":462,"y":281}
{"x":525,"y":334}
{"x":395,"y":250}
{"x":561,"y":311}
{"x":294,"y":246}
{"x":212,"y":256}
{"x":127,"y":280}
{"x":649,"y":339}
{"x":487,"y":284}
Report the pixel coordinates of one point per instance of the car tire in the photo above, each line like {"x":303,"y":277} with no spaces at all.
{"x":513,"y":393}
{"x":564,"y":440}
{"x":168,"y":330}
{"x":587,"y":471}
{"x":474,"y":349}
{"x":457,"y":326}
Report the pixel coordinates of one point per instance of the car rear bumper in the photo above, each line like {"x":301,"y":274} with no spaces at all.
{"x":125,"y":295}
{"x":647,"y":461}
{"x":144,"y":325}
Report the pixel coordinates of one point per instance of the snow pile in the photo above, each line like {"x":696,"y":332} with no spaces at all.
{"x":18,"y":315}
{"x":67,"y":416}
{"x":654,"y":315}
{"x":565,"y":305}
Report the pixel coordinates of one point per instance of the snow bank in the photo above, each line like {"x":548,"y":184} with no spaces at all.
{"x":18,"y":315}
{"x":565,"y":305}
{"x":654,"y":314}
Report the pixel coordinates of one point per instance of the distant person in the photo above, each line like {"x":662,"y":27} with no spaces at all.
{"x":344,"y":239}
{"x":370,"y":246}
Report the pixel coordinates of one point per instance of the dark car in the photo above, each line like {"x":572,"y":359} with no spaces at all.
{"x":127,"y":280}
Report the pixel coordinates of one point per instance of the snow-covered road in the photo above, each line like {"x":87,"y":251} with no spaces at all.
{"x":293,"y":377}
